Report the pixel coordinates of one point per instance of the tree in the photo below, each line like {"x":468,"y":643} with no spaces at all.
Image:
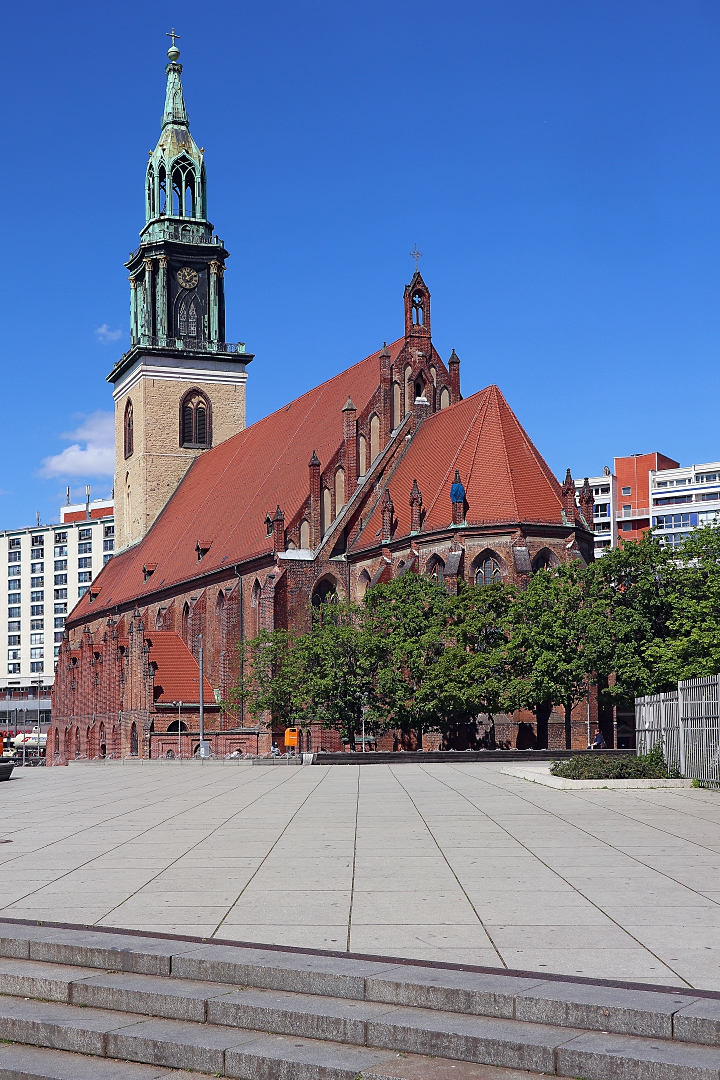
{"x":690,"y":645}
{"x":470,"y":674}
{"x":270,"y":675}
{"x":404,"y":621}
{"x":631,"y":588}
{"x":547,"y":657}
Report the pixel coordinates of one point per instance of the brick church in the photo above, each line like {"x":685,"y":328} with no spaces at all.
{"x":223,"y":529}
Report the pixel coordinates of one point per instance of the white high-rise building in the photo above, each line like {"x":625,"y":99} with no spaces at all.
{"x":604,"y":517}
{"x":49,"y":567}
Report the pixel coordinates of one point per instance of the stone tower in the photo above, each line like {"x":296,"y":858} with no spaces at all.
{"x":180,"y":389}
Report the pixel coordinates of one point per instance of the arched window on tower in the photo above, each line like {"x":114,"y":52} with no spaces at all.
{"x":186,"y":622}
{"x":418,"y":308}
{"x":150,"y":193}
{"x":408,"y":389}
{"x":327,"y":514}
{"x":192,"y":320}
{"x":304,"y":534}
{"x":189,"y":196}
{"x":339,"y":490}
{"x":195,"y":420}
{"x":128,"y":428}
{"x":162,"y":180}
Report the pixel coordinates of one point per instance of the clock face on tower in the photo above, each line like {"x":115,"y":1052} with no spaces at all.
{"x":187,"y":278}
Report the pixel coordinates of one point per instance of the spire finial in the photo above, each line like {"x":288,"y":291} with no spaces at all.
{"x":416,"y":255}
{"x":173,"y":51}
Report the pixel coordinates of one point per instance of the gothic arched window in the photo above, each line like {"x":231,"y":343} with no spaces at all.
{"x":418,"y":308}
{"x":436,"y":568}
{"x":128,"y":429}
{"x":134,"y":740}
{"x":488,"y":572}
{"x":195,"y":420}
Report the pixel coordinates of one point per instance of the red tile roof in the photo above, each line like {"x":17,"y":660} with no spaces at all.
{"x":228,"y":490}
{"x":177,"y":675}
{"x":505,"y":478}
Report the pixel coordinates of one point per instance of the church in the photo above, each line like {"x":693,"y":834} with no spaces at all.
{"x":223,"y":530}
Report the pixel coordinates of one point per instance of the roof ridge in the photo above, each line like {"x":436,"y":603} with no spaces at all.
{"x":482,"y":404}
{"x":497,"y":396}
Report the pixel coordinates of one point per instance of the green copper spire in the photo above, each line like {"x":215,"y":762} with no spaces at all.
{"x":175,"y":180}
{"x":175,"y":111}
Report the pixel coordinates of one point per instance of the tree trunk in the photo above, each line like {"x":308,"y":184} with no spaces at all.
{"x":568,"y":725}
{"x":542,"y":715}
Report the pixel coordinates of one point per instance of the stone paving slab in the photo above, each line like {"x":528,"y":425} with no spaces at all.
{"x":148,"y":847}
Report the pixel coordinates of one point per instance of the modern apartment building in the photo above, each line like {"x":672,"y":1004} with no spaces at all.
{"x":682,"y":499}
{"x":605,"y":509}
{"x":49,"y":567}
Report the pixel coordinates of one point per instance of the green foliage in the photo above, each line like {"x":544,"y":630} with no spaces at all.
{"x":650,"y":766}
{"x":415,"y":658}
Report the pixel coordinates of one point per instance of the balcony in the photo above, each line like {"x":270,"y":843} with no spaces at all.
{"x":640,"y":512}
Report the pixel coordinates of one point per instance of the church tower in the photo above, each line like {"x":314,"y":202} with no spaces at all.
{"x":180,"y":388}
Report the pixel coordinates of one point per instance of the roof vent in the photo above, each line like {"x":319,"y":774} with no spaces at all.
{"x":148,"y":570}
{"x":202,"y":547}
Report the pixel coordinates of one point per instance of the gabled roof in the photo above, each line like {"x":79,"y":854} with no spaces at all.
{"x":505,"y":478}
{"x":228,"y":490}
{"x":177,"y":675}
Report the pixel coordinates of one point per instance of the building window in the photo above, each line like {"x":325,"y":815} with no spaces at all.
{"x":61,"y":594}
{"x":85,"y":534}
{"x":109,"y":530}
{"x":14,"y":543}
{"x":15,"y":625}
{"x":626,"y":491}
{"x":13,"y":639}
{"x":61,"y":579}
{"x":488,"y":572}
{"x":61,"y":609}
{"x":675,"y":521}
{"x":59,"y":635}
{"x":61,"y":538}
{"x":84,"y":549}
{"x":36,"y":639}
{"x":56,"y":650}
{"x":85,"y":575}
{"x":108,"y":545}
{"x":37,"y":597}
{"x":37,"y":624}
{"x":37,"y":583}
{"x":195,"y":420}
{"x":13,"y":669}
{"x":672,"y":500}
{"x":705,"y":478}
{"x":627,"y":509}
{"x":14,"y":571}
{"x":128,"y":428}
{"x":36,"y":568}
{"x":61,"y":564}
{"x":13,"y":613}
{"x":36,"y":666}
{"x":106,"y":559}
{"x":601,"y":510}
{"x":13,"y":587}
{"x":82,"y":590}
{"x":59,"y":622}
{"x":37,"y":609}
{"x":626,"y":526}
{"x":13,"y":654}
{"x":14,"y":556}
{"x":60,"y":551}
{"x":84,"y":564}
{"x":37,"y":654}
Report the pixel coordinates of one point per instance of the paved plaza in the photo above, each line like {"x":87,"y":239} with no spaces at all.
{"x":449,"y":862}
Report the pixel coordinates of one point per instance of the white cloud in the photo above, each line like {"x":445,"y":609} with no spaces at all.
{"x":105,"y":335}
{"x":92,"y":453}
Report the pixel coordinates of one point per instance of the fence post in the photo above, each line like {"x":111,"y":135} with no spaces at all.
{"x":682,"y":720}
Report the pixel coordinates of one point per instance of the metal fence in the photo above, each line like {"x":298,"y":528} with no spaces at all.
{"x":687,"y":722}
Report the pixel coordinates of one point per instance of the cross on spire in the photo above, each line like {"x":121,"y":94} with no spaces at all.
{"x":416,"y":255}
{"x":173,"y":35}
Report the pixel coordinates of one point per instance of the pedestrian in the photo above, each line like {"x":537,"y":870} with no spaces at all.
{"x":599,"y":740}
{"x":275,"y":749}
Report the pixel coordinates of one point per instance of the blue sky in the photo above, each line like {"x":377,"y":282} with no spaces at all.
{"x":556,"y":163}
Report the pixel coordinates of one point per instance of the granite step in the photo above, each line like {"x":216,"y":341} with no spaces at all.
{"x":257,"y":1054}
{"x":187,"y":994}
{"x":18,"y":1062}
